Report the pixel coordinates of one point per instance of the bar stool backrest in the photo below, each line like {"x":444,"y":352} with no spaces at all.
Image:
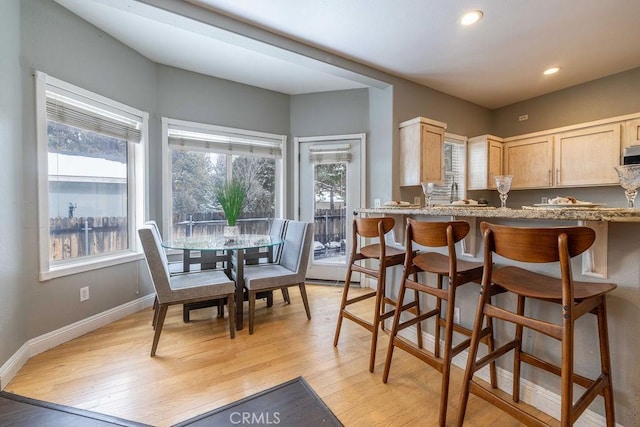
{"x":368,"y":227}
{"x":536,"y":245}
{"x":434,"y":234}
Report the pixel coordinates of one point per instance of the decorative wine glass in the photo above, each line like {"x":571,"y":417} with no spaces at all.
{"x":427,"y":188}
{"x":629,"y":180}
{"x":503,"y":185}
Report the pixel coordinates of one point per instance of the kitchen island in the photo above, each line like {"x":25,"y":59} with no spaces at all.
{"x":614,"y":257}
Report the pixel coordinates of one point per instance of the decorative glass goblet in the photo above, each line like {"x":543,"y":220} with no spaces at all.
{"x":503,"y":185}
{"x":629,"y":180}
{"x":428,"y":188}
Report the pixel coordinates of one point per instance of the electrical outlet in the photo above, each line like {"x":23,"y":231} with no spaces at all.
{"x":84,"y":293}
{"x":523,"y":117}
{"x":456,"y":315}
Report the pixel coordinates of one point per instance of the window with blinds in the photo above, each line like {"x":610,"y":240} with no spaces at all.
{"x":201,"y":157}
{"x":454,"y":186}
{"x":90,"y":154}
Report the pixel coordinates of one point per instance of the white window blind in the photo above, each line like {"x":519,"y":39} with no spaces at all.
{"x":92,"y":116}
{"x":226,"y":141}
{"x":329,"y":153}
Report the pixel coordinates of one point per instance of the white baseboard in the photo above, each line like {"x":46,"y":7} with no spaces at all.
{"x":54,"y":338}
{"x":530,"y":393}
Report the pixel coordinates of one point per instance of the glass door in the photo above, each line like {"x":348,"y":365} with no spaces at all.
{"x":330,"y":188}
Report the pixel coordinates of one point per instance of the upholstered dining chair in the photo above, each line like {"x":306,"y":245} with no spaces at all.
{"x":183,"y":288}
{"x":290,"y":270}
{"x":174,"y":267}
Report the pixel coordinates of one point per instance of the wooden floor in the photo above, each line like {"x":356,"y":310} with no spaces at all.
{"x":198,"y":368}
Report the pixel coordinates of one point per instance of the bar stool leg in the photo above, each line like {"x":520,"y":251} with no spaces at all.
{"x":471,"y":358}
{"x":436,"y":347}
{"x":394,"y":331}
{"x":517,"y":351}
{"x":343,"y":304}
{"x":379,"y":305}
{"x":605,"y":362}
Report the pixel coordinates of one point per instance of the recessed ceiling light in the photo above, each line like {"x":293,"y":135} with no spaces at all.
{"x":471,"y":17}
{"x":551,"y":70}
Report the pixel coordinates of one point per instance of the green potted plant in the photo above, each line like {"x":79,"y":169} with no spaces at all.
{"x":232,"y":197}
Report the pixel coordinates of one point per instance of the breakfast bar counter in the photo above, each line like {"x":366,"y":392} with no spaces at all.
{"x":573,"y":213}
{"x":594,"y":260}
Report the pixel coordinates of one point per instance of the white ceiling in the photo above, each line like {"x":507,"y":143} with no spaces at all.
{"x":497,"y":62}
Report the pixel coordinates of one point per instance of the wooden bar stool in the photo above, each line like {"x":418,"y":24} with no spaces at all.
{"x":459,"y":272}
{"x":387,"y":256}
{"x":574,"y":299}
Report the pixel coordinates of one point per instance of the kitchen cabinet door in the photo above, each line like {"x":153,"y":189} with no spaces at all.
{"x":587,"y":156}
{"x":484,"y":161}
{"x":421,"y":151}
{"x":530,"y":161}
{"x":632,"y":132}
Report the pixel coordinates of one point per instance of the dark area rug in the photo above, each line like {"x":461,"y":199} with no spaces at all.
{"x":290,"y":404}
{"x":21,"y":411}
{"x":293,"y":403}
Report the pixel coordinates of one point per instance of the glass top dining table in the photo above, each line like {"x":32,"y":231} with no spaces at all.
{"x":216,"y":248}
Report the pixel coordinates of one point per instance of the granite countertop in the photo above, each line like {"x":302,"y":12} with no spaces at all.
{"x":571,"y":213}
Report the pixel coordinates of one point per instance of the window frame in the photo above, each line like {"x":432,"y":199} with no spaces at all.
{"x":451,"y":138}
{"x":167,"y":194}
{"x":137,"y":182}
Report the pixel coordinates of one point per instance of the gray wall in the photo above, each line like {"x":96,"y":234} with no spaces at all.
{"x":13,"y":316}
{"x":60,"y":44}
{"x":610,"y":96}
{"x":185,"y":95}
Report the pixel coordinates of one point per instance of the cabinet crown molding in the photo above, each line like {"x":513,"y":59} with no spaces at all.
{"x":425,"y":121}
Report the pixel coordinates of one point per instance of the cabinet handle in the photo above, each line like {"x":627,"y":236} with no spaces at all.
{"x":557,"y":176}
{"x":550,"y":178}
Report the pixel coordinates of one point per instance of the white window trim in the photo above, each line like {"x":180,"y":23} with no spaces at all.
{"x":137,"y":184}
{"x":167,"y":199}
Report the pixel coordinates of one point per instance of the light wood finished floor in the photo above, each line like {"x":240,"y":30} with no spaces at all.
{"x":198,"y":368}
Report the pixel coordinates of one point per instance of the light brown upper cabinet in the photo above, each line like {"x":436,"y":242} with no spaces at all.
{"x":632,"y":133}
{"x":484,"y":161}
{"x":573,"y":158}
{"x":530,"y":161}
{"x":421,"y":151}
{"x":587,"y":156}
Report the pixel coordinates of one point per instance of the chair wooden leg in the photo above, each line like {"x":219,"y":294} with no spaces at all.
{"x":473,"y":352}
{"x":231,"y":303}
{"x":517,"y":351}
{"x":305,"y":300}
{"x":376,"y":316}
{"x":252,"y":310}
{"x":566,"y":386}
{"x":394,"y":332}
{"x":493,"y":376}
{"x":605,"y":362}
{"x":436,"y":346}
{"x":446,"y":357}
{"x":155,"y":313}
{"x":416,"y":296}
{"x":285,"y":295}
{"x":343,"y":304}
{"x":162,"y":313}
